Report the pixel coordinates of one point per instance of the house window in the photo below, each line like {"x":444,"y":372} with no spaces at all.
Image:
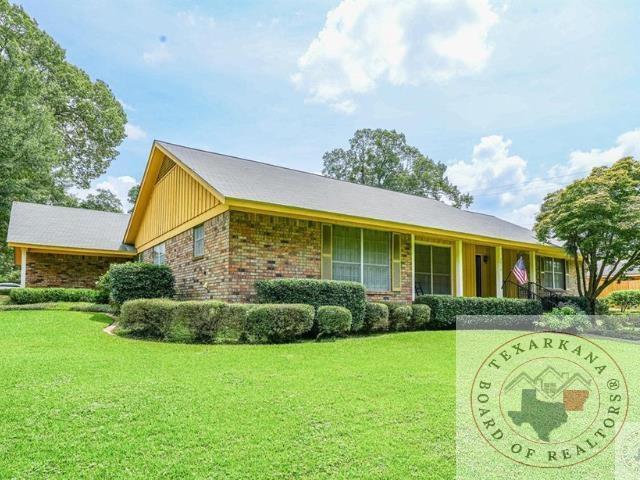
{"x":433,"y":269}
{"x":376,"y":260}
{"x":159,"y":254}
{"x":552,"y":273}
{"x":347,"y":246}
{"x":198,"y":241}
{"x":359,"y":255}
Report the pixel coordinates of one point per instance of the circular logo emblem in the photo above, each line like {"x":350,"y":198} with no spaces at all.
{"x":549,"y":399}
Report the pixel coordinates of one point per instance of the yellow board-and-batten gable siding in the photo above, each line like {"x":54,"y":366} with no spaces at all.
{"x":176,"y":200}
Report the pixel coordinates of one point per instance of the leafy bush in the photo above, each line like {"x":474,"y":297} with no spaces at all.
{"x":333,"y":321}
{"x":602,"y":307}
{"x":129,"y":281}
{"x":444,"y":308}
{"x":193,"y":321}
{"x":277,"y":323}
{"x":624,"y":299}
{"x":399,"y":316}
{"x":11,"y":277}
{"x":564,"y":319}
{"x":230,"y":320}
{"x":5,"y":291}
{"x":317,"y":293}
{"x":376,"y":317}
{"x":22,"y":296}
{"x":149,"y":318}
{"x":421,"y":316}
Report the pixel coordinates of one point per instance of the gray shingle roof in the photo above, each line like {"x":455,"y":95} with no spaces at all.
{"x":47,"y":225}
{"x":250,"y":180}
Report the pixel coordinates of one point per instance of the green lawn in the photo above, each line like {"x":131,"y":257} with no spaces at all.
{"x":76,"y":402}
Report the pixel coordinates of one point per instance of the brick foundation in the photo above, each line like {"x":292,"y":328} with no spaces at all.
{"x":67,"y":271}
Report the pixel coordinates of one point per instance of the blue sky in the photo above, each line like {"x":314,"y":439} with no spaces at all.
{"x":517,"y":98}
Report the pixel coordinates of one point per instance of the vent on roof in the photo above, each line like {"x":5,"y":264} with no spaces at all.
{"x":167,"y":165}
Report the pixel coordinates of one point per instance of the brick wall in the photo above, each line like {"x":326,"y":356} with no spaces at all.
{"x":205,"y":277}
{"x":241,"y":248}
{"x":68,"y":271}
{"x":265,"y":246}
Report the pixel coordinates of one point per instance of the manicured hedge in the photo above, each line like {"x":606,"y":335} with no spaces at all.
{"x":350,"y":295}
{"x":399,"y":316}
{"x":376,"y":317}
{"x":444,"y":308}
{"x":194,"y":321}
{"x":22,"y":296}
{"x":129,"y":281}
{"x":278,"y":323}
{"x":150,"y":318}
{"x":421,"y":316}
{"x":333,"y":321}
{"x":230,"y":320}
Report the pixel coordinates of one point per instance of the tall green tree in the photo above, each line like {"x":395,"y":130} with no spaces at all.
{"x":382,"y":158}
{"x":132,"y":196}
{"x":598,"y":221}
{"x":58,"y":128}
{"x":104,"y":200}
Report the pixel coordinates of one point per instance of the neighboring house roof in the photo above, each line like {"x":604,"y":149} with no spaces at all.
{"x":32,"y":224}
{"x":243,"y":179}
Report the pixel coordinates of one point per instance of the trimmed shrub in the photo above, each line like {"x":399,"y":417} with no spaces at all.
{"x":399,"y":316}
{"x":277,"y":323}
{"x":624,"y":299}
{"x":333,"y":321}
{"x":6,"y":291}
{"x":421,"y":316}
{"x":317,"y":293}
{"x":129,"y":281}
{"x":22,"y":296}
{"x":230,"y":320}
{"x":376,"y":317}
{"x":193,"y":321}
{"x":564,"y":319}
{"x":149,"y":318}
{"x":602,"y":307}
{"x":445,"y":308}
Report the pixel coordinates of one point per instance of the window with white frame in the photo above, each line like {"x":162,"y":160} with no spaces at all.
{"x":552,"y":273}
{"x":198,"y":241}
{"x":359,"y":255}
{"x":433,"y":269}
{"x":159,"y":254}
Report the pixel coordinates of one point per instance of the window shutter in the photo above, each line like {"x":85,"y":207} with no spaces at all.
{"x":326,"y":262}
{"x":396,"y":281}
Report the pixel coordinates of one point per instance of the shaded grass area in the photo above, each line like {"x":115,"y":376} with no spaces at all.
{"x":79,"y":403}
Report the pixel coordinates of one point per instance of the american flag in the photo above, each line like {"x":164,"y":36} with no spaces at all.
{"x":520,"y":271}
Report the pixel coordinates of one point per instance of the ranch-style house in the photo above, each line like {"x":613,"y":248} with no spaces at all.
{"x":222,"y":223}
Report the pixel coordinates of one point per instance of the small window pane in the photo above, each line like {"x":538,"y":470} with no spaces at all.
{"x":423,"y":283}
{"x":423,"y":258}
{"x":159,"y":257}
{"x":346,"y":253}
{"x":376,"y":255}
{"x":198,"y":241}
{"x":442,"y":284}
{"x":442,"y":260}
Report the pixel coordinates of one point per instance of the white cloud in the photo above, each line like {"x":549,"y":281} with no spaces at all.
{"x":118,"y":185}
{"x":627,"y":145}
{"x":491,"y":164}
{"x":501,"y":184}
{"x":134,"y":132}
{"x":366,"y":42}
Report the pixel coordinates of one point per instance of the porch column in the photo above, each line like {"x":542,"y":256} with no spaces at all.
{"x":533,"y":275}
{"x":499,"y":280}
{"x":459,"y":270}
{"x":23,"y":267}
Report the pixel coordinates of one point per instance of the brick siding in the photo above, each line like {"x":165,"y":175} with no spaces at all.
{"x":68,"y":271}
